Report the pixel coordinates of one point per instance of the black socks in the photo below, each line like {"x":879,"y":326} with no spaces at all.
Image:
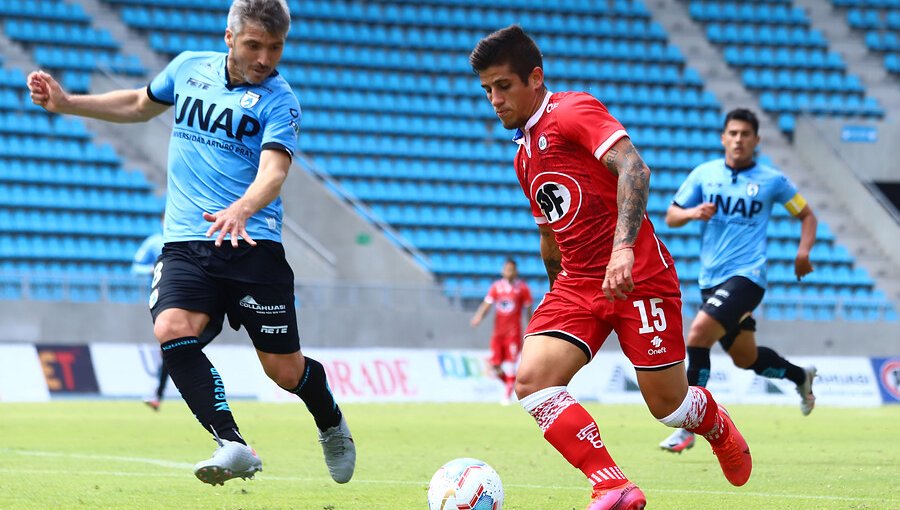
{"x":770,"y":364}
{"x":200,"y":386}
{"x":698,"y":366}
{"x":314,"y":391}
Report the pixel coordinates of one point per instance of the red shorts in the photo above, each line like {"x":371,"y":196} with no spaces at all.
{"x":505,"y":347}
{"x":648,"y":323}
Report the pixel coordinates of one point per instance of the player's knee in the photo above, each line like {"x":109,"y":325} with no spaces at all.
{"x":284,"y":375}
{"x":165,"y":329}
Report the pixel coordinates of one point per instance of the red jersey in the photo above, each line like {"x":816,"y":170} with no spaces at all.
{"x":559,"y":168}
{"x":509,"y":299}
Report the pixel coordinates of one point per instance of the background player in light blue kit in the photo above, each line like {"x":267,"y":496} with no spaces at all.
{"x":236,"y":127}
{"x":733,"y":198}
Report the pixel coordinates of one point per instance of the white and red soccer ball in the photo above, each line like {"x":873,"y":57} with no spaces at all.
{"x":465,"y":484}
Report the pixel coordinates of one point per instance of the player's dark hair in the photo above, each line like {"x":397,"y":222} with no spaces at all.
{"x":510,"y":260}
{"x":510,"y":45}
{"x":744,"y":115}
{"x":273,"y":15}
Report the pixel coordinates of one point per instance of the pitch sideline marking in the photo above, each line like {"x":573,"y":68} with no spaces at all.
{"x":184,"y":465}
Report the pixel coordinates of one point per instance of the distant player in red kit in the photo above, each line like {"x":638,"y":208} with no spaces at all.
{"x":588,"y":187}
{"x":509,"y":296}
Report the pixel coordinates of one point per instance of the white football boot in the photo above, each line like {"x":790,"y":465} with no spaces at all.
{"x":339,"y":450}
{"x":679,"y":441}
{"x":230,"y":460}
{"x":807,"y":399}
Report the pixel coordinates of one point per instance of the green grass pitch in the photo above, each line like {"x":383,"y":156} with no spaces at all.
{"x":71,"y":455}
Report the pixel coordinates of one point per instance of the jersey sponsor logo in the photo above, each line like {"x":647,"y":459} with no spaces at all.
{"x":274,"y":330}
{"x":559,"y":198}
{"x":506,"y":306}
{"x":552,"y":106}
{"x":249,"y":99}
{"x":212,"y":118}
{"x":731,"y":206}
{"x":591,"y":434}
{"x":752,"y":189}
{"x":249,"y":302}
{"x":542,"y":142}
{"x":193,"y":82}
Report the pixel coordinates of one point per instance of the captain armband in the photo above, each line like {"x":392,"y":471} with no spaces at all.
{"x":795,"y":204}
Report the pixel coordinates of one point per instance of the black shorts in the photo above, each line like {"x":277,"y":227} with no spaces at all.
{"x":731,"y":303}
{"x":253,"y":286}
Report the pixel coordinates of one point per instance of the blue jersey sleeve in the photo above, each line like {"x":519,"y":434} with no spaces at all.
{"x":690,"y":194}
{"x":283,"y":125}
{"x":146,"y":255}
{"x":162,"y":88}
{"x":784,"y":190}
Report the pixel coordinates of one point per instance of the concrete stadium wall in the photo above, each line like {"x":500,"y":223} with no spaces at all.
{"x":344,"y":323}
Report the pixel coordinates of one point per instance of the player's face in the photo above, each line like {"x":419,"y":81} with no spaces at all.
{"x":739,"y":141}
{"x":509,"y":271}
{"x":253,"y":53}
{"x":513,"y":100}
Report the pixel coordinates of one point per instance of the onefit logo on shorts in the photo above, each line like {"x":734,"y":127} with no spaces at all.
{"x":274,"y":330}
{"x":249,"y":302}
{"x":656,"y":342}
{"x":591,"y":434}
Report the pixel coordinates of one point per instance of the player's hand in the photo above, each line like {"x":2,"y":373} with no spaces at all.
{"x":231,"y":221}
{"x":618,"y":280}
{"x":704,"y":211}
{"x":802,"y":266}
{"x":45,"y":91}
{"x":474,"y":322}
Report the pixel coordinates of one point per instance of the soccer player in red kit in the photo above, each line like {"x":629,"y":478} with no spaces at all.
{"x":509,"y":296}
{"x":588,"y":190}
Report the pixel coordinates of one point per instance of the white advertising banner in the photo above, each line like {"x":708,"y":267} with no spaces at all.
{"x":402,"y":375}
{"x":428,"y":375}
{"x":130,"y":370}
{"x":841,"y":381}
{"x":21,"y":375}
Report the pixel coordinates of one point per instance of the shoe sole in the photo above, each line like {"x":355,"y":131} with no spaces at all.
{"x":214,"y":475}
{"x":638,"y":501}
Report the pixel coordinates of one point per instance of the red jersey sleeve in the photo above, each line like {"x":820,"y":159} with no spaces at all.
{"x":491,"y":296}
{"x":586,"y":122}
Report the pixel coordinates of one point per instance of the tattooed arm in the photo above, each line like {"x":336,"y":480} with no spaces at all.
{"x":550,"y":253}
{"x":623,"y":160}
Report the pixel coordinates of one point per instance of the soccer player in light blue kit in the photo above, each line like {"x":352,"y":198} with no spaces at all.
{"x":733,"y":198}
{"x":236,"y":128}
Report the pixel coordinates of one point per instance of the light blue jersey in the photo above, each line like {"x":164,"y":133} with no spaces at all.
{"x":733,"y":241}
{"x":220,"y":131}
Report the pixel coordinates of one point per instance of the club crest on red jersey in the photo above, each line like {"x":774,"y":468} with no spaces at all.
{"x":559,"y":197}
{"x":542,"y":142}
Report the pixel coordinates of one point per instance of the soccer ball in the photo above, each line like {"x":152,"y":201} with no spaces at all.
{"x":465,"y":484}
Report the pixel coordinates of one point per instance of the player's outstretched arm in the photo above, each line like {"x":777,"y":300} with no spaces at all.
{"x":273,"y":169}
{"x":480,"y":313}
{"x":680,"y":216}
{"x":114,"y":106}
{"x":808,"y":223}
{"x":550,"y":253}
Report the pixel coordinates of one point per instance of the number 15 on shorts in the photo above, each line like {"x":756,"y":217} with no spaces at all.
{"x":656,"y":312}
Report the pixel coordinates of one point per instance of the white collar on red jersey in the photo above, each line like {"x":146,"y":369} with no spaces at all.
{"x":519,"y":137}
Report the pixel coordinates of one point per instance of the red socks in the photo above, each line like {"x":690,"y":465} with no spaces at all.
{"x":573,"y":432}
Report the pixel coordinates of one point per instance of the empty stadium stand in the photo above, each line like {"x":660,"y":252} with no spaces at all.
{"x":394,"y":114}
